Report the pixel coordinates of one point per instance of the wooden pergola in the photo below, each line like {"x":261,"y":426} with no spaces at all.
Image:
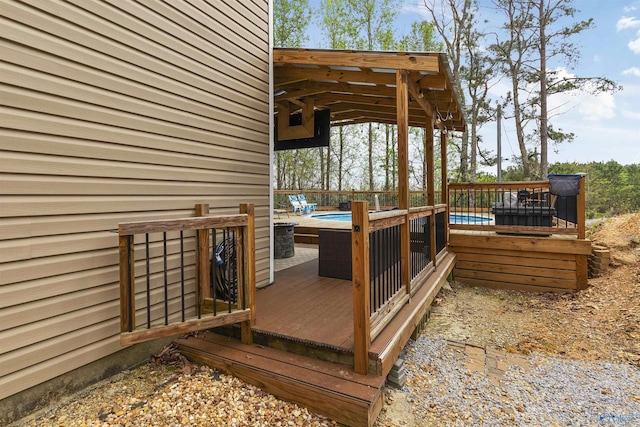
{"x":400,"y":88}
{"x":405,"y":89}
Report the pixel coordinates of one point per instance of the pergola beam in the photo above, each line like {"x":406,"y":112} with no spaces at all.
{"x":406,"y":61}
{"x":355,"y":117}
{"x":312,"y":87}
{"x":340,"y":107}
{"x":418,"y":95}
{"x":288,"y":75}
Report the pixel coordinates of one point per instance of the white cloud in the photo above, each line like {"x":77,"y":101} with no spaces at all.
{"x":627,"y":22}
{"x":634,"y":44}
{"x":633,"y":71}
{"x":597,"y":58}
{"x":630,"y":8}
{"x":628,"y":114}
{"x":588,"y":106}
{"x":441,"y":9}
{"x":628,"y":106}
{"x":597,"y":107}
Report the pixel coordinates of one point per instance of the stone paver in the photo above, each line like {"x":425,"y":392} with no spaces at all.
{"x":302,"y":254}
{"x":491,"y":362}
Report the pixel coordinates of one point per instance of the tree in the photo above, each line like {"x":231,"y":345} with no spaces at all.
{"x":533,"y":38}
{"x":340,"y":30}
{"x":511,"y":55}
{"x":451,"y":18}
{"x":290,"y":22}
{"x":610,"y":188}
{"x":421,"y":38}
{"x":374,"y":20}
{"x":553,"y":43}
{"x":477,"y":73}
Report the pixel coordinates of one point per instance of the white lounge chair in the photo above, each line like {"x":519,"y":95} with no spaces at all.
{"x":311,"y":207}
{"x":296,"y":206}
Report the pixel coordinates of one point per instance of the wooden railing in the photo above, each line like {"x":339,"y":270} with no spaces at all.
{"x":332,"y":199}
{"x":516,"y":207}
{"x":177,"y":292}
{"x":393,"y":253}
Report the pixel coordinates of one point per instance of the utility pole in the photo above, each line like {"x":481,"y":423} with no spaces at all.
{"x":499,"y":143}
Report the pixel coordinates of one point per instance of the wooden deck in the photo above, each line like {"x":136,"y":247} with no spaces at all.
{"x":311,"y":317}
{"x":555,"y":263}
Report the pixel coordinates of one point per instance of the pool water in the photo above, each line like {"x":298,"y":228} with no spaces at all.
{"x":344,"y":216}
{"x":468,"y":219}
{"x":453,"y":218}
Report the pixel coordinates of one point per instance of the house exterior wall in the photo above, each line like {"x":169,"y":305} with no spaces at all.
{"x":116,"y":111}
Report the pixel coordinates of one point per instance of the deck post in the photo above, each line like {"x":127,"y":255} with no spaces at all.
{"x":249,"y":271}
{"x":402,"y":108}
{"x":360,"y":286}
{"x":582,"y":273}
{"x":580,"y":205}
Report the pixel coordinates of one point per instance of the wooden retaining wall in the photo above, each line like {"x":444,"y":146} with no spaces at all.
{"x":529,"y":263}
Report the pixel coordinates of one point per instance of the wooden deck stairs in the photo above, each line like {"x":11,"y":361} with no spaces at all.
{"x":305,"y":234}
{"x":323,"y":387}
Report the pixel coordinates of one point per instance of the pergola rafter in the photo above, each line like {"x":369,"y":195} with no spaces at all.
{"x":333,"y":77}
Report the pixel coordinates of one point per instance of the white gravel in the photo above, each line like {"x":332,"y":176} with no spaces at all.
{"x":551,"y":392}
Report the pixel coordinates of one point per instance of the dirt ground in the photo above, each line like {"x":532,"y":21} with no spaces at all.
{"x":599,"y":323}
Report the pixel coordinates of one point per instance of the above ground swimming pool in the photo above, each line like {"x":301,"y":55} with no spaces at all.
{"x":453,"y":218}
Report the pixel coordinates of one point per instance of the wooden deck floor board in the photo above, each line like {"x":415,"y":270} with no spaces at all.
{"x":304,"y":306}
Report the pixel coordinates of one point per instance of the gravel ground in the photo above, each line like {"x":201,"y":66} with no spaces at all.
{"x":440,"y":391}
{"x":549,"y":392}
{"x":165,"y":396}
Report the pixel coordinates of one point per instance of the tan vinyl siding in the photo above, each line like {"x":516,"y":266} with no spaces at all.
{"x":117,"y":111}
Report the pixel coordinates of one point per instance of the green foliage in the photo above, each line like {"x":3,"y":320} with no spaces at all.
{"x":485,"y":177}
{"x":374,"y":19}
{"x":290,"y":22}
{"x":513,"y":173}
{"x":338,"y":27}
{"x":610,"y":188}
{"x":421,"y":38}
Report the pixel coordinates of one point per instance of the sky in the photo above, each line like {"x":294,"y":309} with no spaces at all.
{"x":607,"y":126}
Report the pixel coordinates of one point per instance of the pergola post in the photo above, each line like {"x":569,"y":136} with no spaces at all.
{"x":445,"y":183}
{"x":429,"y":165}
{"x":402,"y":111}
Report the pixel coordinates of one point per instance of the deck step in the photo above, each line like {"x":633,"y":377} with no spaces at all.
{"x":305,"y":238}
{"x":306,"y":234}
{"x":325,"y":388}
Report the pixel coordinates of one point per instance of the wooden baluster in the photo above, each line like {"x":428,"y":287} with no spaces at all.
{"x":127,"y":284}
